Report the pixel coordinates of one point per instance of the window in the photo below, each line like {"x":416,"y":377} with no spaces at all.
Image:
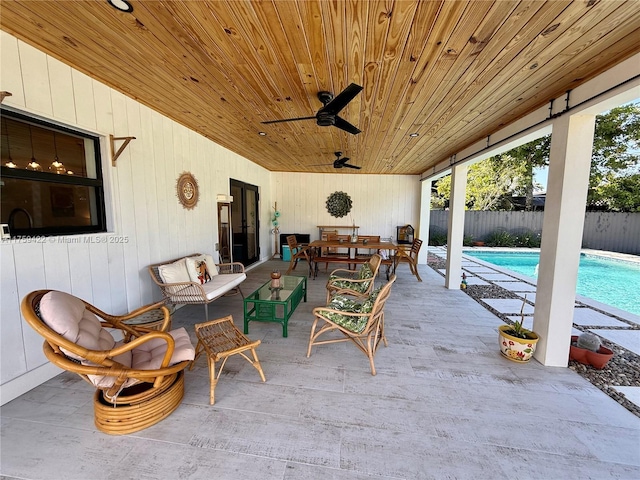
{"x":51,"y":179}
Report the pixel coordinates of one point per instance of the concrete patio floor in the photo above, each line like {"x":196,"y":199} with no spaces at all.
{"x":444,"y":404}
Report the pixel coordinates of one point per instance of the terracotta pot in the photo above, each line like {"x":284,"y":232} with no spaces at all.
{"x":478,"y":244}
{"x":516,"y":349}
{"x":596,"y":359}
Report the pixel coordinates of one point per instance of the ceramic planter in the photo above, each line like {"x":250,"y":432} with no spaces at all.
{"x":516,"y":349}
{"x":596,"y":359}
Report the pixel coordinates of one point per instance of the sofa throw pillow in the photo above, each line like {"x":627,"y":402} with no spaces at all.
{"x":175,"y":272}
{"x":201,"y":268}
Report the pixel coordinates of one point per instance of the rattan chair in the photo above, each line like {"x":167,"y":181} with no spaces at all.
{"x":359,"y":322}
{"x":138,"y":382}
{"x":298,"y":252}
{"x":409,"y":256}
{"x":357,"y":284}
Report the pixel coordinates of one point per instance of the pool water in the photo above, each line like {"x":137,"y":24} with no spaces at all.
{"x":606,"y":280}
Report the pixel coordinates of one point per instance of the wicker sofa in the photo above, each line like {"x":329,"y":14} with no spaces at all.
{"x":197,"y":279}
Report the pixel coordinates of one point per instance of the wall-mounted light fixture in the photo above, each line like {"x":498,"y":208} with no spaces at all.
{"x":121,"y":5}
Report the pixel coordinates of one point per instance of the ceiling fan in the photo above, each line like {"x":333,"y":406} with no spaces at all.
{"x":339,"y":162}
{"x":328,"y":114}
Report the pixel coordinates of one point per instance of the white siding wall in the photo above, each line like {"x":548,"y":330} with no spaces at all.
{"x":380,"y":202}
{"x":142,"y":206}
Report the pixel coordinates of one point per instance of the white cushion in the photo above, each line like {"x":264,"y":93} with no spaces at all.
{"x":149,"y":356}
{"x":175,"y":272}
{"x":192,"y":266}
{"x":68,"y":316}
{"x":222,"y":284}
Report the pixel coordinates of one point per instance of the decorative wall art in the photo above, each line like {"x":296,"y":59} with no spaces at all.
{"x":339,"y":204}
{"x":187,"y":190}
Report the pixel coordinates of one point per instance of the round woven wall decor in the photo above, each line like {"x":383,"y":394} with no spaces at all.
{"x":339,"y":204}
{"x":187,"y":190}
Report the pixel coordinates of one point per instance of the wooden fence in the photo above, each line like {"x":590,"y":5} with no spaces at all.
{"x":615,"y":232}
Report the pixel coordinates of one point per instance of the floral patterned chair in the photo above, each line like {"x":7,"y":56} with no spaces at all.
{"x":359,"y":321}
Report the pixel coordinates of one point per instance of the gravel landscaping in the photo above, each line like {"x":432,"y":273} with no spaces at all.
{"x":622,"y":370}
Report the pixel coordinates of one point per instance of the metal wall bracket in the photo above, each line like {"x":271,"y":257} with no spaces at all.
{"x":114,"y":154}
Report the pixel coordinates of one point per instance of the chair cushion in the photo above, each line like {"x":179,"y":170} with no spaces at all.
{"x":364,"y":273}
{"x":68,"y":316}
{"x":148,"y":356}
{"x":221,"y":284}
{"x":175,"y":272}
{"x":192,"y":267}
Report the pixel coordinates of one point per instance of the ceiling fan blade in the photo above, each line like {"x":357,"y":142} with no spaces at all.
{"x":290,"y":120}
{"x":342,"y":99}
{"x":342,"y":124}
{"x":351,"y":166}
{"x":342,"y":160}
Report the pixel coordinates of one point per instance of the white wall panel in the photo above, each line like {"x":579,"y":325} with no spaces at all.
{"x":56,"y":264}
{"x":35,"y":79}
{"x":85,"y":111}
{"x":62,"y":95}
{"x":10,"y":68}
{"x":380,"y":202}
{"x":12,"y":353}
{"x":29,"y":273}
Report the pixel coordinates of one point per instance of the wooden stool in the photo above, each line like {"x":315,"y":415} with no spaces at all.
{"x":220,"y":339}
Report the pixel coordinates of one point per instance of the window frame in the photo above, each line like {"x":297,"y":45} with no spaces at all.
{"x":96,"y":183}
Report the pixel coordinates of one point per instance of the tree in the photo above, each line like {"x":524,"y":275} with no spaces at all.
{"x":612,"y":183}
{"x":621,"y":194}
{"x":616,"y":154}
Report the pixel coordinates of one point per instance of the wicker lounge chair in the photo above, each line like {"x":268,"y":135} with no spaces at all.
{"x":138,"y":383}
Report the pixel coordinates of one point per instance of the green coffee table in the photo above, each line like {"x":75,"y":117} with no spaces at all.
{"x":265,"y":305}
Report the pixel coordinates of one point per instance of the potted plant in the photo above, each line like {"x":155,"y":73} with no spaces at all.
{"x":587,"y":349}
{"x":516,"y":342}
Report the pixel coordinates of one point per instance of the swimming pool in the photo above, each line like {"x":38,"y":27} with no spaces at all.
{"x":603,"y":279}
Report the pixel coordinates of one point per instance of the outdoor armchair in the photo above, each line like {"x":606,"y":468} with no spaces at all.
{"x":138,"y":382}
{"x":359,"y":322}
{"x":358,"y":284}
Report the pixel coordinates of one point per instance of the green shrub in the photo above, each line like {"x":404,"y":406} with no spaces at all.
{"x":526,"y":238}
{"x":501,"y":238}
{"x":438,"y":239}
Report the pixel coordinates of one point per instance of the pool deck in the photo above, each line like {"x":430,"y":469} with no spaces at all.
{"x":616,"y":325}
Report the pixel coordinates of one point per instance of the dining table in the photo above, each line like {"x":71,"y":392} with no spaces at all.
{"x":356,"y":253}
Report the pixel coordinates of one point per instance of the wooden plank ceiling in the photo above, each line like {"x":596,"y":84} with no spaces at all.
{"x":451,"y":71}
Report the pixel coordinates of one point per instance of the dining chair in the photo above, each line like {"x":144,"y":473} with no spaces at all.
{"x":409,"y":256}
{"x":298,"y":252}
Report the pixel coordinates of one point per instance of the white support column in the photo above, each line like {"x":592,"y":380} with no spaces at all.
{"x":569,"y":167}
{"x":425,"y":221}
{"x":456,"y":226}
